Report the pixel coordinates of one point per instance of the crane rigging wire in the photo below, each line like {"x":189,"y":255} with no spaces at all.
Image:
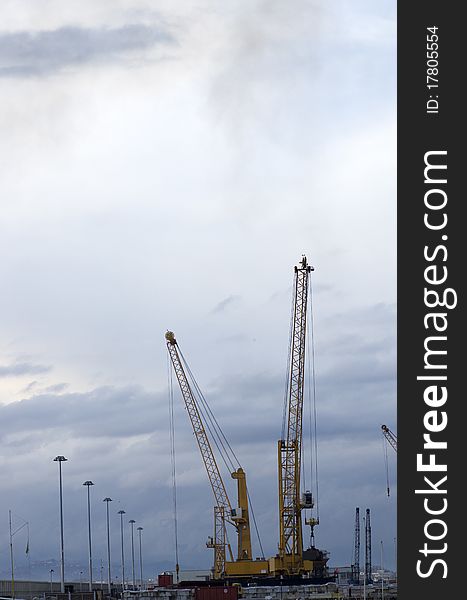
{"x":173,"y":463}
{"x":386,"y":461}
{"x":313,"y":374}
{"x":211,"y":421}
{"x":223,"y":441}
{"x":287,"y":369}
{"x":309,"y":407}
{"x":254,"y":522}
{"x":217,"y":435}
{"x":227,"y":454}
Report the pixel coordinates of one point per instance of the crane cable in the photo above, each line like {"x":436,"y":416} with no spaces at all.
{"x":210,"y":421}
{"x":287,"y":369}
{"x":386,"y":461}
{"x":313,"y":407}
{"x":254,"y":522}
{"x":218,"y":436}
{"x":173,"y":463}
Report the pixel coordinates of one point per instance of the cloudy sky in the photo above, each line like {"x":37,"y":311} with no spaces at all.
{"x":163,"y":166}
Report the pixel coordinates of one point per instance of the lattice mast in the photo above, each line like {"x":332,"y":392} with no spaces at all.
{"x":356,"y":563}
{"x":368,"y":566}
{"x":289,"y":449}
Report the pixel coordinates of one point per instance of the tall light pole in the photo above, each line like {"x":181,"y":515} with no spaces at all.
{"x":132,"y":523}
{"x":395,"y":557}
{"x":12,"y":560}
{"x":140,"y":529}
{"x":121,"y":513}
{"x":382,"y":572}
{"x":88,"y":485}
{"x":51,"y":579}
{"x":364,"y":571}
{"x":107,"y":500}
{"x":61,"y":459}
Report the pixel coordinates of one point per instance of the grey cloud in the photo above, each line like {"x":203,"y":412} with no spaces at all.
{"x":29,"y":387}
{"x":27,"y":53}
{"x":23,"y":368}
{"x":263,"y":53}
{"x":229,"y":301}
{"x":57,"y":388}
{"x":134,"y":471}
{"x":106,"y":411}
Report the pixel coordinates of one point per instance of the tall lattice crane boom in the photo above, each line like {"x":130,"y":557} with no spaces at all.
{"x":223,"y":509}
{"x":214,"y":476}
{"x":289,"y":449}
{"x":390,"y":436}
{"x":223,"y":512}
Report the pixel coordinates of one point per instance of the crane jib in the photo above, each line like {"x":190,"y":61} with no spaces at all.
{"x":207,"y":454}
{"x":223,"y":512}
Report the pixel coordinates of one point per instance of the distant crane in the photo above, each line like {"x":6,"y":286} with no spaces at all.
{"x":390,"y":436}
{"x":356,"y":563}
{"x":391,"y":439}
{"x":368,"y":566}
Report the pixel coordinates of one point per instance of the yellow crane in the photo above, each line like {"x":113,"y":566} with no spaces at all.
{"x":223,"y":511}
{"x":290,"y":560}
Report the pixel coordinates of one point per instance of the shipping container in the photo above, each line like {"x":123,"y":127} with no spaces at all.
{"x":165,"y":579}
{"x":217,"y":593}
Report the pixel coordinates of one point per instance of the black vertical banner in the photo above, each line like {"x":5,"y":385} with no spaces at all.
{"x":432,"y":236}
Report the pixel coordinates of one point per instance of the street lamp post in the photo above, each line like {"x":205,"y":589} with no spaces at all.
{"x":382,"y":572}
{"x":51,"y":579}
{"x":61,"y":459}
{"x":395,"y":557}
{"x":121,"y":513}
{"x":364,"y":571}
{"x":132,"y":523}
{"x":140,"y":529}
{"x":107,"y":500}
{"x":88,"y":485}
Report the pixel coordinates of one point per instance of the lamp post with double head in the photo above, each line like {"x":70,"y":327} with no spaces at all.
{"x":140,"y":530}
{"x":107,"y":500}
{"x":121,"y":513}
{"x":61,"y":459}
{"x":132,"y":523}
{"x":88,"y":485}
